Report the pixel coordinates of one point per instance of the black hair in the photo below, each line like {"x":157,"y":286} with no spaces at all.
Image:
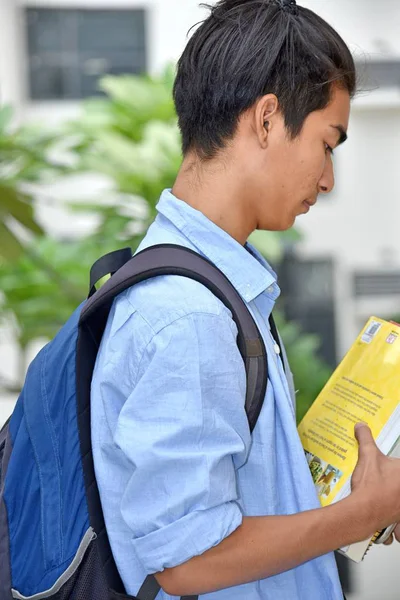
{"x":246,"y":49}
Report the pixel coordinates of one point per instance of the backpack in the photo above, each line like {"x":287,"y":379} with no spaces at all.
{"x":53,"y":540}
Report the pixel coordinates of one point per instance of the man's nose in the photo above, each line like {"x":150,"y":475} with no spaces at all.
{"x":327,"y":181}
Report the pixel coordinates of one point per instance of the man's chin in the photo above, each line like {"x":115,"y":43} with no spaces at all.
{"x":278,"y":227}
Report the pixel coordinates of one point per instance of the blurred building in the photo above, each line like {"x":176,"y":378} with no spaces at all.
{"x":52,"y":53}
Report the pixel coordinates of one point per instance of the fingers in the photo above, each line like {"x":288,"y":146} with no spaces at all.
{"x":389,"y":541}
{"x":364,"y":437}
{"x":397,"y":533}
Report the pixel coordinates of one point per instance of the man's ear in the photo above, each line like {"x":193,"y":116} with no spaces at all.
{"x":265,"y":110}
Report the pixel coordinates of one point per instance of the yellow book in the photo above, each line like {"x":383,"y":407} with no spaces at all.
{"x":364,"y":387}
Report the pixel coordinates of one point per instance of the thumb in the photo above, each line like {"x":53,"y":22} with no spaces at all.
{"x":364,"y":438}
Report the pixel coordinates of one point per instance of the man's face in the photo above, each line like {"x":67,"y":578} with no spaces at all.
{"x":286,"y":176}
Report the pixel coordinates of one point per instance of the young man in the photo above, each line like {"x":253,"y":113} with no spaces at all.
{"x":262,"y":93}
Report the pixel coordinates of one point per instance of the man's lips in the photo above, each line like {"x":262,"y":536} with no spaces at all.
{"x":308,"y":204}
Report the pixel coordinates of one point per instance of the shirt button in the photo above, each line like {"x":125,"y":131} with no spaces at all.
{"x":270,"y":289}
{"x":277,"y":349}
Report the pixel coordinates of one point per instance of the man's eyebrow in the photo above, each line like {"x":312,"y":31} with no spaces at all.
{"x":342,"y":132}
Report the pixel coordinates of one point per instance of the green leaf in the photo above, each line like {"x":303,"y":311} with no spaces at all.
{"x":10,"y":247}
{"x":141,"y":94}
{"x":15,"y":204}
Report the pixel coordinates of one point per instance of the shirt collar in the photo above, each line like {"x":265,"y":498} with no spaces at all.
{"x":244,"y":266}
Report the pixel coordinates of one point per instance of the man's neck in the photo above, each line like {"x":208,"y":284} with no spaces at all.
{"x":213,"y":190}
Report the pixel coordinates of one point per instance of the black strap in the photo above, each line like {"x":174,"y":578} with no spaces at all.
{"x":276,"y":337}
{"x":107,"y":264}
{"x":149,"y":589}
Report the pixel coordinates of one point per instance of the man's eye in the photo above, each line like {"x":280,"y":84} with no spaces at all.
{"x":329,"y":149}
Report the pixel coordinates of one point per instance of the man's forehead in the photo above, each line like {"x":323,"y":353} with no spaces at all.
{"x":338,"y":110}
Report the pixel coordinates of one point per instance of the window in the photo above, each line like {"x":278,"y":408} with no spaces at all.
{"x":69,"y":50}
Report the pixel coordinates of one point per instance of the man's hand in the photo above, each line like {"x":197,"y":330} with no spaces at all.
{"x":376,"y":480}
{"x":247,"y":554}
{"x":393,"y":536}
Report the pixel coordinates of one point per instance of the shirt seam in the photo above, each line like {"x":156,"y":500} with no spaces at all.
{"x":178,"y":229}
{"x":193,"y":312}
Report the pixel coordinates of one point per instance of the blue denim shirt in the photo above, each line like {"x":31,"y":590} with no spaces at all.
{"x":176,"y":465}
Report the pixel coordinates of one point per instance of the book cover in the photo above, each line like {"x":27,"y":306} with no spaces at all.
{"x":364,"y":387}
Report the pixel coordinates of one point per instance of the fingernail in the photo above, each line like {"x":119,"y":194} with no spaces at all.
{"x":360,"y":424}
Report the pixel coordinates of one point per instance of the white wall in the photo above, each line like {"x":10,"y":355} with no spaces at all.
{"x":360,"y":221}
{"x":11,"y":76}
{"x":367,"y":25}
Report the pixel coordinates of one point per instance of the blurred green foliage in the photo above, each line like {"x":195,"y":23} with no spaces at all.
{"x":21,"y":160}
{"x":309,"y":370}
{"x":131,"y":136}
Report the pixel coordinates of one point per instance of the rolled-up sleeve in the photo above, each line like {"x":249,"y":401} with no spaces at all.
{"x":183,"y":430}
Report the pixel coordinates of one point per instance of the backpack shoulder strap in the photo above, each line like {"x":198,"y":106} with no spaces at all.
{"x":171,"y":259}
{"x":108,"y":264}
{"x":164,"y":259}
